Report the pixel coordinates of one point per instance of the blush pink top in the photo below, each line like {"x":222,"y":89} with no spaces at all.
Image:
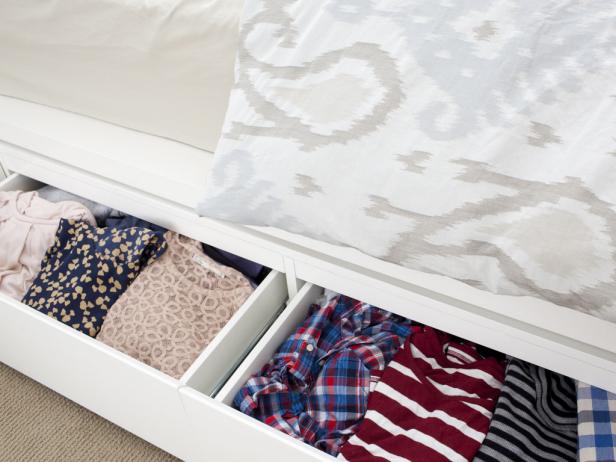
{"x":175,"y":307}
{"x":28,"y":225}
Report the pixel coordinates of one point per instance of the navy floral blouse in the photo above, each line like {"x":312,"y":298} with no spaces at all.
{"x":86,"y":270}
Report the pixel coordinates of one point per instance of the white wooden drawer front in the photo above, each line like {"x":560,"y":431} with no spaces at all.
{"x":225,"y":433}
{"x":121,"y":389}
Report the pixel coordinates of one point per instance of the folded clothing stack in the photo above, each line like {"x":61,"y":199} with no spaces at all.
{"x":87,"y":269}
{"x":146,"y":291}
{"x":365,"y":385}
{"x":175,"y":308}
{"x":28,"y":225}
{"x":316,"y":386}
{"x":434,"y":402}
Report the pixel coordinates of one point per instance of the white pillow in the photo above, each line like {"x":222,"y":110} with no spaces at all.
{"x":163,"y":67}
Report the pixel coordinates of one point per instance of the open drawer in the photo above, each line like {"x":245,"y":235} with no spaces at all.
{"x":217,"y":424}
{"x":135,"y":396}
{"x":566,"y":341}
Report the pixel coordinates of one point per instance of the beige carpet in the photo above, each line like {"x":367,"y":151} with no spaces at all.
{"x":38,"y":425}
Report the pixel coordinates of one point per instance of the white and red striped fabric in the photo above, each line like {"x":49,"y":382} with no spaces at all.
{"x":434,"y":403}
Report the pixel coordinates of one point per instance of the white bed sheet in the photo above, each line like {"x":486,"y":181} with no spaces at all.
{"x":159,"y":66}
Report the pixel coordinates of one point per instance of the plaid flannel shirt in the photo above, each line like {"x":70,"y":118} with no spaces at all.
{"x":596,"y":424}
{"x":317,"y":385}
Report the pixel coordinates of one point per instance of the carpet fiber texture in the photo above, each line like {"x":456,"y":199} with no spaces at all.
{"x":39,"y":425}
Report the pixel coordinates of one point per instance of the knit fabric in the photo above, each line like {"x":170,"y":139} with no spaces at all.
{"x":535,"y":418}
{"x":28,"y":225}
{"x":433,"y":403}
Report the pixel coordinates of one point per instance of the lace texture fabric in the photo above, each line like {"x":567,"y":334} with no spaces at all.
{"x":175,"y":308}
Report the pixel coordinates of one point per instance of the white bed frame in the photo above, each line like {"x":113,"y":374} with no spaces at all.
{"x":187,"y":417}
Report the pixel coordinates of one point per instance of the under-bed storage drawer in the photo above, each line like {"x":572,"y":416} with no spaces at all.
{"x":121,"y":389}
{"x":118,"y":387}
{"x":224,"y":433}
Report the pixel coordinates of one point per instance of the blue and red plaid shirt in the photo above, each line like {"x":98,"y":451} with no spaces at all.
{"x":316,"y":387}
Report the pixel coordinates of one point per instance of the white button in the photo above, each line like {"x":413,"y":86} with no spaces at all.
{"x":309,"y":347}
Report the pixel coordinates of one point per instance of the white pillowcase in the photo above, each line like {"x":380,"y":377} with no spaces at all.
{"x":163,"y":67}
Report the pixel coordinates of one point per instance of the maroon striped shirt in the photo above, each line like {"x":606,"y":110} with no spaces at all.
{"x":434,"y":403}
